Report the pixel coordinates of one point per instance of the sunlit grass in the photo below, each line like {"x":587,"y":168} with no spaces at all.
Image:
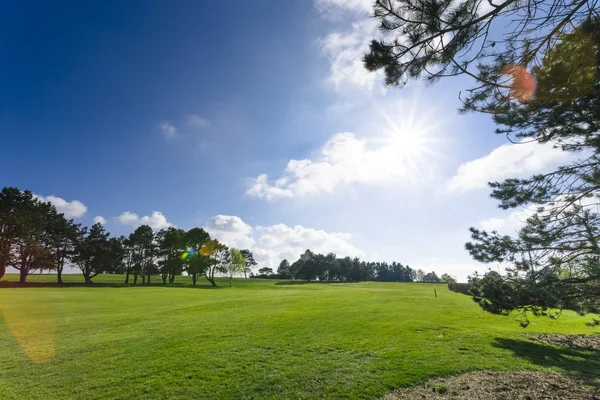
{"x":260,"y":340}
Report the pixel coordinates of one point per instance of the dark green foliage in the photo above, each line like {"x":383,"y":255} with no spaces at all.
{"x":266,"y":271}
{"x":95,"y":253}
{"x":329,"y":268}
{"x":552,"y":261}
{"x":283,"y":271}
{"x":250,"y":262}
{"x":171,"y":244}
{"x":432,"y":39}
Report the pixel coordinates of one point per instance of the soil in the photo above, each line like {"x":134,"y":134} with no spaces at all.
{"x":586,"y":342}
{"x":500,"y":386}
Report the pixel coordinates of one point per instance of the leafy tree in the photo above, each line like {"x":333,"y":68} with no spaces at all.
{"x":420,"y":275}
{"x":93,"y":252}
{"x":196,"y":263}
{"x":284,"y":269}
{"x":266,"y":271}
{"x":431,"y":40}
{"x":31,"y":250}
{"x":250,"y":262}
{"x":447,"y":278}
{"x":552,"y":261}
{"x":171,"y":246}
{"x":13,"y":204}
{"x":62,"y":235}
{"x":142,"y":245}
{"x":236,"y":264}
{"x":219,"y":255}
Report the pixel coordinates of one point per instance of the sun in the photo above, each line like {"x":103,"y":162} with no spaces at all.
{"x":410,"y":137}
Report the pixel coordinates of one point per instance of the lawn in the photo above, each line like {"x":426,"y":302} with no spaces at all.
{"x":258,"y":340}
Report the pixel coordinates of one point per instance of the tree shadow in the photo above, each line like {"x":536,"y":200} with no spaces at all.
{"x":299,"y":282}
{"x":15,"y":285}
{"x":582,"y":364}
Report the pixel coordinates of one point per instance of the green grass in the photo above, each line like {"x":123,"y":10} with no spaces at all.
{"x":258,"y":340}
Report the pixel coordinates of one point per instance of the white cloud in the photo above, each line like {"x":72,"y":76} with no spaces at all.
{"x":345,"y":50}
{"x":271,"y":244}
{"x":100,"y":220}
{"x":230,"y":230}
{"x":167,"y":129}
{"x":72,"y":209}
{"x":361,"y":6}
{"x":156,"y":220}
{"x":403,"y":152}
{"x":197,"y":122}
{"x":507,"y":161}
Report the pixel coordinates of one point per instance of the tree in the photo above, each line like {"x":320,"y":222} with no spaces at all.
{"x":93,"y":252}
{"x":13,"y":206}
{"x":432,"y":40}
{"x":196,"y":263}
{"x":142,"y":245}
{"x":420,"y":275}
{"x":447,"y":278}
{"x":249,"y":257}
{"x":236,"y":264}
{"x":219,"y":254}
{"x":284,"y":269}
{"x":31,"y":250}
{"x":62,"y":236}
{"x":266,"y":271}
{"x":552,"y":261}
{"x":171,"y":246}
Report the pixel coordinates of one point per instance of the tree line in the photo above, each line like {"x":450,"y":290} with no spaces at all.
{"x":34,"y":236}
{"x":311,"y":266}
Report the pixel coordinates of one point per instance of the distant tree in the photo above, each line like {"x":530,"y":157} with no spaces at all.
{"x":284,"y":269}
{"x":171,"y":244}
{"x":236,"y":264}
{"x":219,"y":255}
{"x":92,"y":252}
{"x":62,"y":235}
{"x":250,"y":262}
{"x":431,"y":277}
{"x":266,"y":271}
{"x":31,"y":247}
{"x":142,"y":244}
{"x":195,"y":263}
{"x":447,"y":278}
{"x":419,"y":275}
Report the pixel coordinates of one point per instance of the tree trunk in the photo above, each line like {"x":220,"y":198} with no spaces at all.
{"x":148,"y":280}
{"x":58,"y":274}
{"x":245,"y":274}
{"x":2,"y":270}
{"x":23,"y":275}
{"x":135,"y":278}
{"x":87,"y":278}
{"x":127,"y":277}
{"x":143,"y":279}
{"x":164,"y":279}
{"x":171,"y":278}
{"x":194,"y":279}
{"x":230,"y":281}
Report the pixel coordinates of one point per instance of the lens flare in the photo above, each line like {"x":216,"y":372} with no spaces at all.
{"x":523,"y":85}
{"x":33,"y":328}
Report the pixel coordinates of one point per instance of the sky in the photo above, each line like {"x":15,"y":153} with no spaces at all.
{"x":255,"y":120}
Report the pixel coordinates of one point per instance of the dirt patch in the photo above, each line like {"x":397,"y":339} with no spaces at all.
{"x":586,"y":342}
{"x":500,"y":386}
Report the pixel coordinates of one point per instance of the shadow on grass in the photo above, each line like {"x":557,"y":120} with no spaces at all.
{"x":11,"y":285}
{"x":310,"y":282}
{"x":582,"y":364}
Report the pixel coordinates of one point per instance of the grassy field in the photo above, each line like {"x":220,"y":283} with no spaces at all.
{"x":258,"y":340}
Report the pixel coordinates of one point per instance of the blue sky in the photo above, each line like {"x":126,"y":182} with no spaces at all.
{"x":255,"y":120}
